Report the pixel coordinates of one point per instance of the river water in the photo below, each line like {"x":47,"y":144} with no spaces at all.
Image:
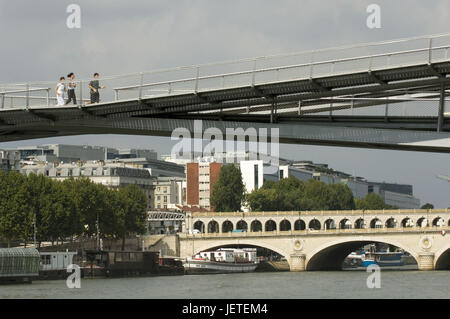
{"x":271,"y":285}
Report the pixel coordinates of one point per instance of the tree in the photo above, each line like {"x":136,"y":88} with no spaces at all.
{"x":291,"y":194}
{"x":372,"y":201}
{"x":228,"y":191}
{"x":131,"y":212}
{"x":15,"y":218}
{"x":427,"y":206}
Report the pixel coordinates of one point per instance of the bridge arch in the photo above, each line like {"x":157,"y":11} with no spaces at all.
{"x":438,"y":221}
{"x":422,"y":222}
{"x":359,"y":223}
{"x":345,"y":224}
{"x":442,"y":258}
{"x":213,"y":227}
{"x":330,"y":224}
{"x":270,"y":225}
{"x":376,"y":223}
{"x":227,"y":226}
{"x":314,"y":224}
{"x":391,"y":223}
{"x":299,"y":224}
{"x":407,"y":222}
{"x":200,"y":226}
{"x":234,"y":243}
{"x":330,"y":256}
{"x":242,"y":225}
{"x":285,"y":225}
{"x":255,"y":226}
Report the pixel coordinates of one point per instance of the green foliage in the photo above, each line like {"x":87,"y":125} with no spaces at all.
{"x":228,"y":192}
{"x":291,"y":194}
{"x":67,"y":209}
{"x":427,"y":206}
{"x":372,"y":201}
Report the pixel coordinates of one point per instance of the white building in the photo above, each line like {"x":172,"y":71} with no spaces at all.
{"x":255,"y":173}
{"x":112,"y":175}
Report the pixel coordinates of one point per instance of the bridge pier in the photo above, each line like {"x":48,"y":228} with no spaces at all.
{"x":426,"y":261}
{"x":297,"y":262}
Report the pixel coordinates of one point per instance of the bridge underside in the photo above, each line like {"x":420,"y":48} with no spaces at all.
{"x":443,"y":263}
{"x":331,"y":258}
{"x":296,"y":107}
{"x":289,"y":133}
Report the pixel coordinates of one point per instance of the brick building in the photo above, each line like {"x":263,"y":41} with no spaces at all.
{"x":200,"y":179}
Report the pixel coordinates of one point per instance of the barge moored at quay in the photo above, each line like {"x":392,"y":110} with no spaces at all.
{"x":224,"y":260}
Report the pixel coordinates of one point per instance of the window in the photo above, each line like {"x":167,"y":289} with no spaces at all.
{"x":159,"y":197}
{"x":45,"y":260}
{"x":165,"y":199}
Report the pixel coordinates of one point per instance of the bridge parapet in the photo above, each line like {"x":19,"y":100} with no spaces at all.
{"x":321,"y":213}
{"x":329,"y":232}
{"x":224,"y":222}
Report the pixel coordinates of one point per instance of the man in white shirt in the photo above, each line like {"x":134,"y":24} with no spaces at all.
{"x":59,"y":90}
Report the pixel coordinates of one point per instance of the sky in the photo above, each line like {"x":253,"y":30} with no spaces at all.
{"x":118,"y":37}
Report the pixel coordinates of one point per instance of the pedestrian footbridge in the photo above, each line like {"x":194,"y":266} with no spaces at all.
{"x":388,"y":95}
{"x":322,"y":240}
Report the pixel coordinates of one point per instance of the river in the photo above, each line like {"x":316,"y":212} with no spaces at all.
{"x":271,"y":285}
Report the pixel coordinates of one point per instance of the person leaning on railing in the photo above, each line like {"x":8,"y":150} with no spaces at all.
{"x":94,"y":85}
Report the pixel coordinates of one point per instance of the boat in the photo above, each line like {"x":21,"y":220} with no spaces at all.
{"x":353,"y":260}
{"x":223,"y":260}
{"x":53,"y":265}
{"x":18,"y":265}
{"x":121,"y":263}
{"x":382,"y":258}
{"x":170,"y":266}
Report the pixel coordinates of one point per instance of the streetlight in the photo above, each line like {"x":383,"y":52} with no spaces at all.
{"x":35,"y":229}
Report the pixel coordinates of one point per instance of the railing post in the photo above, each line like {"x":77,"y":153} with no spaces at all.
{"x":28,"y":95}
{"x":81,"y":93}
{"x":140,"y":87}
{"x":48,"y":96}
{"x":253,"y":73}
{"x":3,"y":101}
{"x":116,"y":94}
{"x":441,"y":109}
{"x":196,"y":79}
{"x":430,"y":52}
{"x":386,"y":112}
{"x":311,"y":68}
{"x":299,"y":108}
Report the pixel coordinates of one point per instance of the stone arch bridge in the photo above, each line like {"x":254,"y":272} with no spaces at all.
{"x":321,"y":240}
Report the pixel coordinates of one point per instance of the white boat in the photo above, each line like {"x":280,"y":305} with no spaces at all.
{"x":224,"y":260}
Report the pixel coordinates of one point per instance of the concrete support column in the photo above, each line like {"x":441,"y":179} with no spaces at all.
{"x":297,"y":262}
{"x":426,"y":261}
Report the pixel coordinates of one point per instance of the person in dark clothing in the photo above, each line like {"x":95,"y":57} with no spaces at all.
{"x":71,"y":89}
{"x":94,"y":85}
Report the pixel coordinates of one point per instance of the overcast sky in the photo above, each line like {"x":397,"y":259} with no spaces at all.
{"x":132,"y":36}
